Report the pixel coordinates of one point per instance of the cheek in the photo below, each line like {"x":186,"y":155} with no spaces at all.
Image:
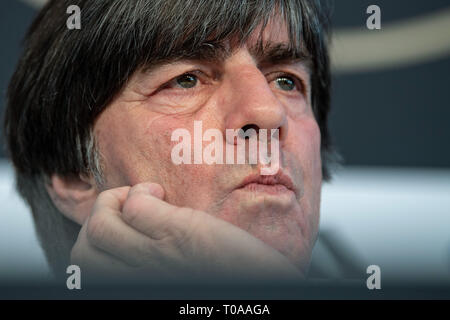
{"x":134,"y":145}
{"x":304,"y":141}
{"x":313,"y":161}
{"x":307,"y":153}
{"x":315,"y":178}
{"x":185,"y":184}
{"x":313,"y":132}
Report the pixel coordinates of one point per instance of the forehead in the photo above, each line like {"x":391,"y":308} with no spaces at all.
{"x":275,"y":31}
{"x":272,"y":43}
{"x":267,"y":38}
{"x":269,"y":42}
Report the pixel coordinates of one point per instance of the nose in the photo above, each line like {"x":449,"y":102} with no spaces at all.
{"x":251,"y":103}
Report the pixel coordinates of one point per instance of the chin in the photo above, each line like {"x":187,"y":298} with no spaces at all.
{"x":279,"y":224}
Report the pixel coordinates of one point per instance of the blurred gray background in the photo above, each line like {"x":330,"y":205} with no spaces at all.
{"x":390,"y":203}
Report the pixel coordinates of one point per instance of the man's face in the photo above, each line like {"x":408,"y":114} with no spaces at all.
{"x":244,"y":88}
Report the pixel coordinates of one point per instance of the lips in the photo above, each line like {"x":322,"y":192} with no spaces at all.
{"x":270,"y":184}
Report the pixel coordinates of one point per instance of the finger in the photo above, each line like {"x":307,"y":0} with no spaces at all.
{"x":152,"y":216}
{"x":95,"y":261}
{"x":106,"y":230}
{"x":112,"y":198}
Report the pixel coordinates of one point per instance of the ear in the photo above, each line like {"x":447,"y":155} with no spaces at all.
{"x":74,"y":196}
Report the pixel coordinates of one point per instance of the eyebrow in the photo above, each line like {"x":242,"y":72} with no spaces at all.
{"x":280,"y":53}
{"x":208,"y":52}
{"x":269,"y":53}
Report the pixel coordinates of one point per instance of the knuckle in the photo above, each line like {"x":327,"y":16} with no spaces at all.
{"x":140,"y":187}
{"x":100,"y":202}
{"x":131,"y":209}
{"x":95,"y":231}
{"x":103,"y":195}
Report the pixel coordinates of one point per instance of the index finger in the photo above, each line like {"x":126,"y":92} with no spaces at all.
{"x":112,"y":198}
{"x":145,"y":211}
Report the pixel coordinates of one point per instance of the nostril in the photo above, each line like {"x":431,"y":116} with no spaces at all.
{"x":248,"y":131}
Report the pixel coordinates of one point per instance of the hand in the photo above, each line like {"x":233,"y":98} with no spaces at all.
{"x":132,"y":231}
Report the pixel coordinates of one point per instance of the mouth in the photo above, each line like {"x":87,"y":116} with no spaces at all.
{"x":274,"y":185}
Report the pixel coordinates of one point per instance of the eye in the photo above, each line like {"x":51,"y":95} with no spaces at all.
{"x":190,"y":82}
{"x":285,"y":83}
{"x":186,"y":81}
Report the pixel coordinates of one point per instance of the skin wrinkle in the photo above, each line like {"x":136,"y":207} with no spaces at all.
{"x":119,"y":38}
{"x":141,"y":148}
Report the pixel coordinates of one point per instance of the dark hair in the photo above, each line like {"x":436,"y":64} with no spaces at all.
{"x":66,"y":78}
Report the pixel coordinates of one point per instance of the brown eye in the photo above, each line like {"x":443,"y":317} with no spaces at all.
{"x":285,"y":83}
{"x":187,"y":81}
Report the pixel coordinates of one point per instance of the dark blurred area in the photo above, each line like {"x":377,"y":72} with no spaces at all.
{"x":396,"y":116}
